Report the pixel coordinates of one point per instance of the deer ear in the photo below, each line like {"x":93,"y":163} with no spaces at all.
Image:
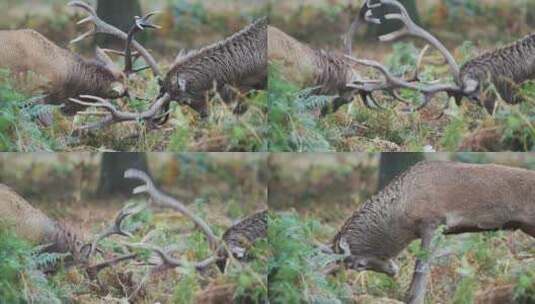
{"x":106,"y":60}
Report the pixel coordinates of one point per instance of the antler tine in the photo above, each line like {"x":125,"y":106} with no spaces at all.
{"x":115,"y":228}
{"x":140,"y":23}
{"x":80,"y":4}
{"x":169,"y":262}
{"x":413,"y":29}
{"x":392,"y":83}
{"x":102,"y":27}
{"x":364,"y":13}
{"x":167,"y":201}
{"x":117,"y":116}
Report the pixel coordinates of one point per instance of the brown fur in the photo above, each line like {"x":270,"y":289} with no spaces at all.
{"x":308,"y":67}
{"x":463,"y":197}
{"x":507,"y":68}
{"x":62,"y":74}
{"x":236,"y":62}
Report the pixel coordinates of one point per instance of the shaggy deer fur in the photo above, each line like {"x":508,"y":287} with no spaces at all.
{"x":506,"y":68}
{"x":236,"y":62}
{"x":240,"y":236}
{"x":308,"y":67}
{"x":462,"y":197}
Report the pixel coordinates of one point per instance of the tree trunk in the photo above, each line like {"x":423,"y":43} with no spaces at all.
{"x":113,"y":165}
{"x":393,"y":164}
{"x":119,"y":13}
{"x":392,"y":25}
{"x":530,"y":13}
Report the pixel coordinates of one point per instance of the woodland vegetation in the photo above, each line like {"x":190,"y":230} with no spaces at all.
{"x":485,"y":25}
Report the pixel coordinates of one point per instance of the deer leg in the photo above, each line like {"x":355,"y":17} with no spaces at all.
{"x":416,"y":293}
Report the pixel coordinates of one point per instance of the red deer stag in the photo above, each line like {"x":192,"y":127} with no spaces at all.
{"x":459,"y":197}
{"x":235,"y":64}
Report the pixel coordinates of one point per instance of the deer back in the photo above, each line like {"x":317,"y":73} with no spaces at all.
{"x":23,"y":51}
{"x":308,"y":67}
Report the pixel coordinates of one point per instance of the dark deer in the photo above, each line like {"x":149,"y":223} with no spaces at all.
{"x":505,"y":68}
{"x":232,"y":66}
{"x":458,"y":197}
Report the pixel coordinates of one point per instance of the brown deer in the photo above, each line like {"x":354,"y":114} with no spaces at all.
{"x":308,"y":67}
{"x":62,"y":74}
{"x":460,"y":197}
{"x":33,"y":225}
{"x":237,"y":63}
{"x":505,"y":68}
{"x":232,"y":66}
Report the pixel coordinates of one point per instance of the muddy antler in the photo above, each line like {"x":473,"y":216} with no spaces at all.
{"x":167,"y":201}
{"x":103,"y":27}
{"x":117,"y":116}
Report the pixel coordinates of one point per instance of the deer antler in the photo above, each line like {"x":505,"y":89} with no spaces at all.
{"x":169,"y":262}
{"x":116,"y":228}
{"x":412,"y":29}
{"x":103,"y":27}
{"x":140,"y":23}
{"x":365,"y":14}
{"x":117,"y":116}
{"x":392,"y":83}
{"x":167,"y":201}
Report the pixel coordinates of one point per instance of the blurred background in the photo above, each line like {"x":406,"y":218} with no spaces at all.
{"x":185,"y":23}
{"x":484,"y":22}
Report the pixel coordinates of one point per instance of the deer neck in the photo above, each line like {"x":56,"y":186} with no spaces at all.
{"x":379,"y":227}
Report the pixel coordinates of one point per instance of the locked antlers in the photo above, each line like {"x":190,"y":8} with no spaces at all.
{"x":392,"y":83}
{"x":117,"y":116}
